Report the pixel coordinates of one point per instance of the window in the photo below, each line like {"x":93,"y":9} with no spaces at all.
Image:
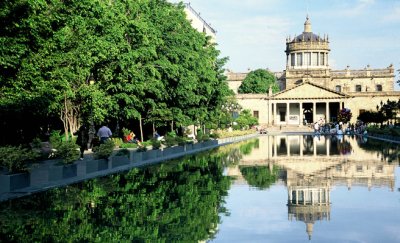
{"x":299,"y":57}
{"x":359,"y":168}
{"x":322,"y":59}
{"x":378,"y":87}
{"x":292,"y":59}
{"x":307,"y":58}
{"x":282,"y":116}
{"x":314,"y":59}
{"x":338,"y":88}
{"x":255,"y":114}
{"x":358,"y":88}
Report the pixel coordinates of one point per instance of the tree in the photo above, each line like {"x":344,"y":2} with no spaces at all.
{"x":344,"y":115}
{"x":258,"y":82}
{"x":142,"y":56}
{"x":245,"y":119}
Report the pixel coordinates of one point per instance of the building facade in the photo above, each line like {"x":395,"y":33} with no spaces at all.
{"x":310,"y":90}
{"x":199,"y":23}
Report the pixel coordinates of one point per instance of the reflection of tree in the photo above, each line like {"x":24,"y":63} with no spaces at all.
{"x":261,"y":177}
{"x":388,"y":151}
{"x":246,"y":148}
{"x":233,"y":153}
{"x":172,"y":202}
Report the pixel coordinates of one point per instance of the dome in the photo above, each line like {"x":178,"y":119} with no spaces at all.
{"x":307,"y":36}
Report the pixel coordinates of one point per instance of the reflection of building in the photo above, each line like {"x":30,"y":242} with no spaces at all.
{"x":312,"y":166}
{"x":309,"y":201}
{"x":310,"y":90}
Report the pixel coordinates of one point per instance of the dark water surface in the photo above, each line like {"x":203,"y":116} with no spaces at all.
{"x":271,"y":189}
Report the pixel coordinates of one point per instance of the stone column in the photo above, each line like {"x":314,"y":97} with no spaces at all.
{"x":328,"y":112}
{"x":301,"y":114}
{"x":301,"y":145}
{"x":269,"y":113}
{"x":314,"y":112}
{"x":288,"y":113}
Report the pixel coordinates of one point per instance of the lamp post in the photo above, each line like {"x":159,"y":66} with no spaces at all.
{"x":92,"y":130}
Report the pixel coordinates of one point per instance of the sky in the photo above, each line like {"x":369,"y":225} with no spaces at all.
{"x":252,"y":33}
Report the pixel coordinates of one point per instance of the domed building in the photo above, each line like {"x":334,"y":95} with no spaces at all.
{"x":311,"y":91}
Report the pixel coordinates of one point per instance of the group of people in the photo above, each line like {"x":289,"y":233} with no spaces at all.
{"x":339,"y":128}
{"x":85,"y":137}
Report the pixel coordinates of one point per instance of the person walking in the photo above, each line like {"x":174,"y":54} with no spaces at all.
{"x":104,"y":134}
{"x":82,"y":140}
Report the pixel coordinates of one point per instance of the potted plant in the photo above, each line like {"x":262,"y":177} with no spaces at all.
{"x":15,"y":159}
{"x":120,"y":158}
{"x":68,"y":152}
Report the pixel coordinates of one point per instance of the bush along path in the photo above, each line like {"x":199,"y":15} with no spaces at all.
{"x":103,"y":161}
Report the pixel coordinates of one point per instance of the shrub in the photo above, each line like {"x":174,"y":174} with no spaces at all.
{"x":199,"y":135}
{"x":155,"y":143}
{"x":214,"y":135}
{"x":117,"y":141}
{"x":125,"y":131}
{"x":169,"y":141}
{"x":128,"y":145}
{"x":104,"y":150}
{"x":68,"y":152}
{"x":205,"y":137}
{"x":15,"y":159}
{"x":142,"y":149}
{"x":180,"y":140}
{"x":55,"y":139}
{"x":122,"y":152}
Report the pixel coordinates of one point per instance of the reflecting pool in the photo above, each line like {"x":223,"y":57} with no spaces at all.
{"x":289,"y":188}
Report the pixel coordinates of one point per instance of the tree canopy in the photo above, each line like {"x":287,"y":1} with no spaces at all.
{"x":144,"y":58}
{"x":258,"y":82}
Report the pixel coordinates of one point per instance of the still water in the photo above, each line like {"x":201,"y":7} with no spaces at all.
{"x":271,"y":189}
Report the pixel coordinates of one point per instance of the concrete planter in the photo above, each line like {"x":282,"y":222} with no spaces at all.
{"x":173,"y":150}
{"x":62,"y":172}
{"x":136,"y":156}
{"x":14,"y":182}
{"x":151,"y":154}
{"x":197,"y":145}
{"x":188,"y":146}
{"x":117,"y":161}
{"x":96,"y":165}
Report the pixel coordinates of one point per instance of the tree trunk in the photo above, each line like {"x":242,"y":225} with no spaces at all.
{"x":141,"y":129}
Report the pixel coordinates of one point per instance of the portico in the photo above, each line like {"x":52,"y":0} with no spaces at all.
{"x":304,"y":104}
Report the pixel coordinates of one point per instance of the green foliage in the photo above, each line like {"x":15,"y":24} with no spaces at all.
{"x":344,"y":115}
{"x":169,"y":141}
{"x":128,"y":145}
{"x":246,"y":120}
{"x":68,"y":152}
{"x":126,"y":131}
{"x":104,"y":150}
{"x":246,"y":148}
{"x":180,"y":201}
{"x":122,"y":152}
{"x":156,"y":144}
{"x":215,"y":135}
{"x":117,"y":142}
{"x":144,"y":57}
{"x":258,"y":82}
{"x":260,"y":177}
{"x":142,"y":149}
{"x":16,"y":158}
{"x":55,"y":139}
